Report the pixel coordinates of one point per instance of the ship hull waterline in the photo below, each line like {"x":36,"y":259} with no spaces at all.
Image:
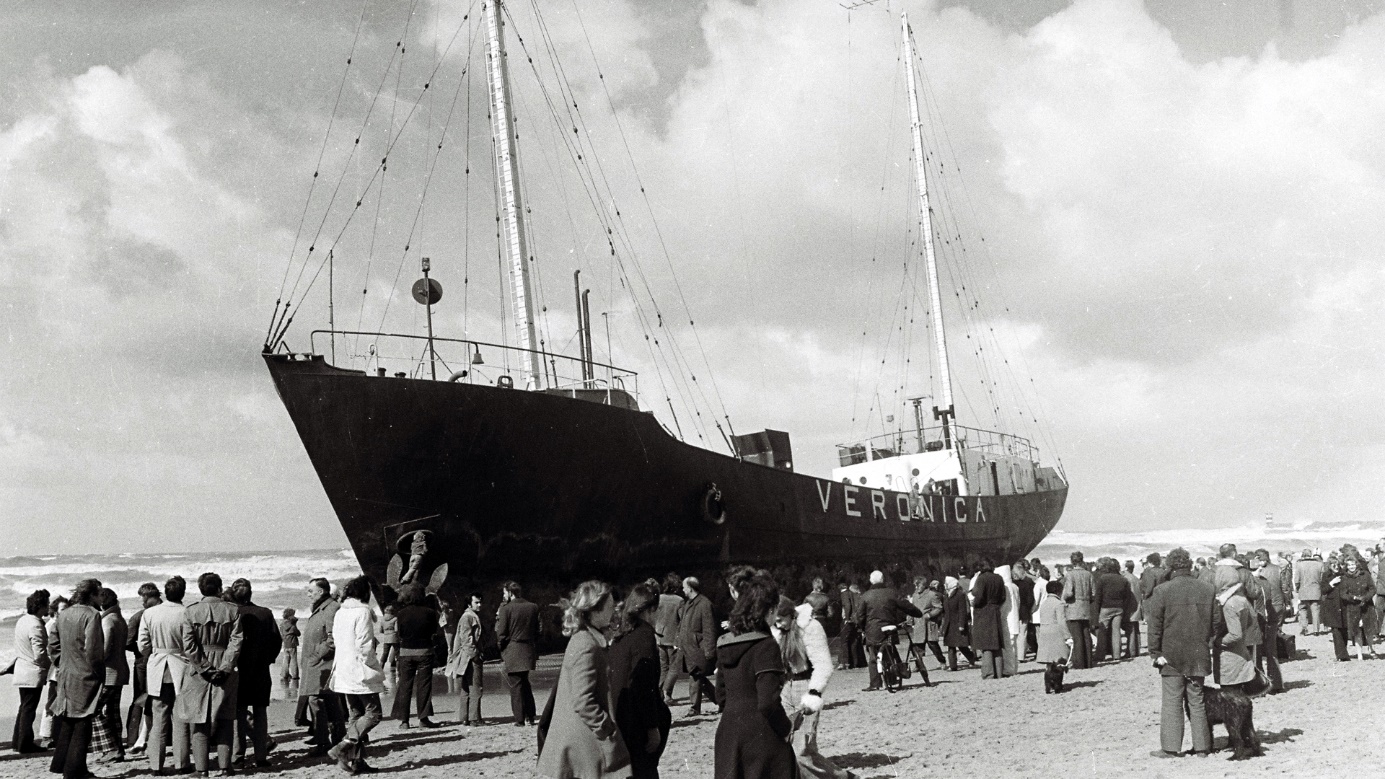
{"x":537,"y":486}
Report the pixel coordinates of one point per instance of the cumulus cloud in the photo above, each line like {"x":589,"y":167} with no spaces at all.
{"x":1182,"y":229}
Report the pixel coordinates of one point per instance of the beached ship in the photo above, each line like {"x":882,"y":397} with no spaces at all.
{"x":552,"y":468}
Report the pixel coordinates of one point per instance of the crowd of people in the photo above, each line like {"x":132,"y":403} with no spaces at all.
{"x":200,"y":673}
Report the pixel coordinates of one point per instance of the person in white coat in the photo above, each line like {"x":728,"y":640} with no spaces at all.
{"x":161,"y":641}
{"x":356,"y":672}
{"x":808,"y":662}
{"x":31,"y":666}
{"x":1013,"y":649}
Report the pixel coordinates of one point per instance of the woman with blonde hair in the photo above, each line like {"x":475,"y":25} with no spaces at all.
{"x":808,"y":665}
{"x":582,"y":739}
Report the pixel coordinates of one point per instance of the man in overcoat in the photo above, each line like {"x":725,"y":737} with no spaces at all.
{"x":1183,"y":616}
{"x":517,"y":630}
{"x":988,"y":628}
{"x":329,"y":722}
{"x":259,"y":649}
{"x":212,"y":640}
{"x":883,"y":607}
{"x":1308,"y":588}
{"x":697,"y":643}
{"x":1079,"y":590}
{"x":77,"y":648}
{"x":161,"y":642}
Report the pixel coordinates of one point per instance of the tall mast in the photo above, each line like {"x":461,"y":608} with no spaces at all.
{"x":945,"y":413}
{"x":507,"y":181}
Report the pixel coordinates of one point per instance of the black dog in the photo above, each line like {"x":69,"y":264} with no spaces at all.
{"x":1233,"y":708}
{"x":1053,"y":676}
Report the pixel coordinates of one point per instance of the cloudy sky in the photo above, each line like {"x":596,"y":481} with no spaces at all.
{"x":1179,"y":204}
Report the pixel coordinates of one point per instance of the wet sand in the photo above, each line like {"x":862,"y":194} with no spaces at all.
{"x":1107,"y":722}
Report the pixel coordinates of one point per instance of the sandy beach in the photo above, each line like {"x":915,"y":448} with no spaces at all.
{"x":961,"y":727}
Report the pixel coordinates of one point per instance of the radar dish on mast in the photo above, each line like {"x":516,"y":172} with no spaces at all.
{"x":427,"y":291}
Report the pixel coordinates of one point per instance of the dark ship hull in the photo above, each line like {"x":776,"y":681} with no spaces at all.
{"x":547,"y":488}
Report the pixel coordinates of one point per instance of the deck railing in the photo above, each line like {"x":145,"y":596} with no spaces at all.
{"x":464,"y":360}
{"x":930,"y":439}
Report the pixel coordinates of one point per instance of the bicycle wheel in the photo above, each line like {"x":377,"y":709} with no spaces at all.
{"x":889,"y":667}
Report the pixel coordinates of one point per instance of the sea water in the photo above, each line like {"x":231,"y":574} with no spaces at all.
{"x":280,"y":579}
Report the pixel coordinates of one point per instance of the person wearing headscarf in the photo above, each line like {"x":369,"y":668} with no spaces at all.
{"x":30,"y":669}
{"x":988,"y":629}
{"x":956,"y":627}
{"x":77,"y":648}
{"x":808,"y":662}
{"x":1236,"y":666}
{"x":752,"y":740}
{"x":582,"y":739}
{"x":633,"y":657}
{"x":356,"y":673}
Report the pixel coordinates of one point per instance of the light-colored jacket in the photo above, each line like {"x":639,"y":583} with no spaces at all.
{"x":355,"y":668}
{"x":1308,"y":579}
{"x":161,"y":640}
{"x":583,"y":740}
{"x":31,"y":661}
{"x":466,"y":647}
{"x":78,"y":649}
{"x":819,"y":651}
{"x":1078,"y":591}
{"x":1236,"y":664}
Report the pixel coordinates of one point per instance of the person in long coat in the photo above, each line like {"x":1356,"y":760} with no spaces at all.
{"x":583,"y":740}
{"x":1183,"y":616}
{"x":1308,"y":571}
{"x":640,"y":712}
{"x":464,"y":662}
{"x":30,"y":669}
{"x":929,"y":630}
{"x":956,"y":625}
{"x":356,"y":673}
{"x":697,"y":639}
{"x":517,"y":629}
{"x":988,"y":635}
{"x":1331,"y":609}
{"x":318,"y":651}
{"x":77,"y":648}
{"x":1236,"y":664}
{"x":752,"y":736}
{"x":1357,"y":594}
{"x":1055,"y":641}
{"x":212,"y":641}
{"x":1010,"y":618}
{"x":161,"y":639}
{"x":259,"y":649}
{"x":105,"y":729}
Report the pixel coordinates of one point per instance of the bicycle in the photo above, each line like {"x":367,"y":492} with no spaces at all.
{"x":893,"y":670}
{"x":915,"y":654}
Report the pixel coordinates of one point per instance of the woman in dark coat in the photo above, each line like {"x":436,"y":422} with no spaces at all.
{"x":988,"y":630}
{"x":640,"y":713}
{"x":751,"y":740}
{"x":1357,"y":593}
{"x":956,"y":624}
{"x":1331,"y":604}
